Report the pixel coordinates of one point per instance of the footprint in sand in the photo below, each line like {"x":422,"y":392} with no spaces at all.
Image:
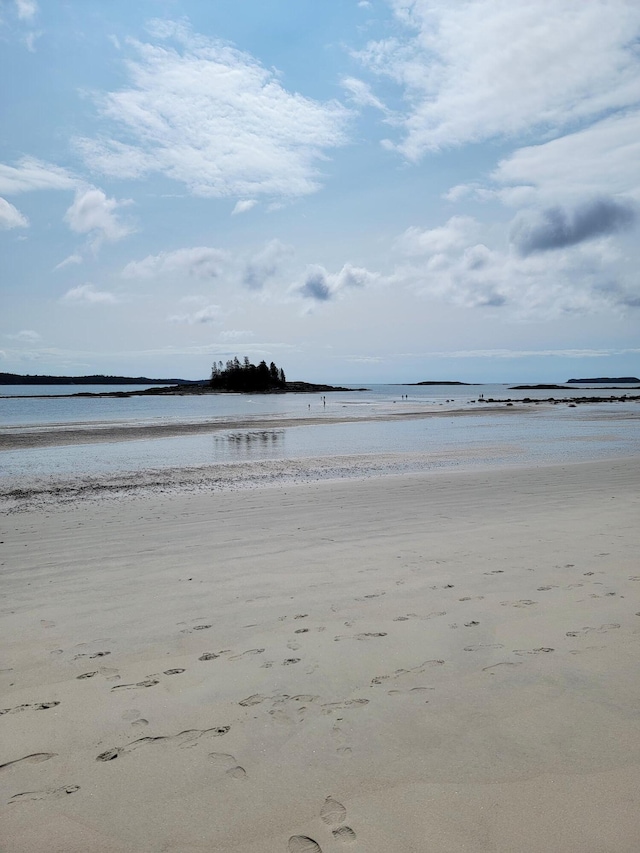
{"x":369,"y":635}
{"x":46,"y":794}
{"x":195,"y":628}
{"x":541,"y":651}
{"x":229,"y":764}
{"x":150,"y":681}
{"x":182,"y":740}
{"x":303,"y":844}
{"x":39,"y":706}
{"x":248,"y":653}
{"x":333,"y":813}
{"x":482,"y":646}
{"x":416,"y":670}
{"x":344,"y":834}
{"x":131,"y":714}
{"x":91,"y":657}
{"x":411,"y":691}
{"x":34,"y":758}
{"x":588,"y":630}
{"x":254,"y":699}
{"x":330,"y":707}
{"x":176,"y":671}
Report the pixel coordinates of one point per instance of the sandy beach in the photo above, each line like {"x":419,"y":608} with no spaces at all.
{"x":439,"y":662}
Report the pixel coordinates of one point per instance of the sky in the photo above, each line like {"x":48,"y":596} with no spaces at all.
{"x":358,"y":190}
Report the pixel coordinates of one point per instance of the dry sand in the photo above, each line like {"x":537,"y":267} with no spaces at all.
{"x":438,"y":662}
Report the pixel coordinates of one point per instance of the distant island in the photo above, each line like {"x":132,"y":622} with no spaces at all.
{"x":96,"y":379}
{"x":617,"y":380}
{"x":537,"y":387}
{"x":434,"y":382}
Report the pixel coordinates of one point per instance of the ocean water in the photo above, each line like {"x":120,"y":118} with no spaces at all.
{"x":541,"y":434}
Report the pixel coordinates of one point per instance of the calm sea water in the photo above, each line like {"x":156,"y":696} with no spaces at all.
{"x":540,"y":435}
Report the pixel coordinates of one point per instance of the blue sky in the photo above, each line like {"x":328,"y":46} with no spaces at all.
{"x":391,"y":190}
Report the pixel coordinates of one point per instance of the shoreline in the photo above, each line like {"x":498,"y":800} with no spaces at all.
{"x":444,"y":656}
{"x":24,"y":494}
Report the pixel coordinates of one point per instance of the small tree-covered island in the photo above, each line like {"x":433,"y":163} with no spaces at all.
{"x":243,"y":377}
{"x":247,"y":377}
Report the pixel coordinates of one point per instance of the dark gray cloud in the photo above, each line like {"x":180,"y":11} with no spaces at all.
{"x":316,"y":286}
{"x":324,"y":286}
{"x":556,"y":228}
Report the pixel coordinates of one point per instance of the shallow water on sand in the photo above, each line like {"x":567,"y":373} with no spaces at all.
{"x":537,"y":435}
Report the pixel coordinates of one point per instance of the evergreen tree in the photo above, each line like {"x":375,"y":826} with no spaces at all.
{"x":245,"y":377}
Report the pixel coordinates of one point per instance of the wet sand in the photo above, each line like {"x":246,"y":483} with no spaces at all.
{"x":444,"y":661}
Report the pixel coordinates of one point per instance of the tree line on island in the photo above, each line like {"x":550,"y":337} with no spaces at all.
{"x":245,"y":377}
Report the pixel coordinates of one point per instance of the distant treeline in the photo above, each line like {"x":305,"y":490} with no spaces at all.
{"x":98,"y":379}
{"x":245,"y":377}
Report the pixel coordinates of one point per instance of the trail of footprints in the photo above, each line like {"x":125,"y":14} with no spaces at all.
{"x":334,"y":815}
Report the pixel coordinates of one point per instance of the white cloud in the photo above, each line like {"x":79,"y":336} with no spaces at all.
{"x":478,"y":70}
{"x":211,"y":117}
{"x":26,"y":9}
{"x":236,"y":335}
{"x":360,"y":93}
{"x":93,"y":213}
{"x":529,"y":353}
{"x":460,"y":269}
{"x":31,"y":174}
{"x":457,"y":232}
{"x":30,"y":40}
{"x":243,"y":206}
{"x":10,"y":216}
{"x":89,"y":294}
{"x":200,"y":262}
{"x":601,"y":159}
{"x":26,"y":335}
{"x":208,"y":314}
{"x":67,"y":262}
